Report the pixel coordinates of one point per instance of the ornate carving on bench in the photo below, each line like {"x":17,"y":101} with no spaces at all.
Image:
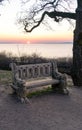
{"x":62,"y":86}
{"x":42,"y":74}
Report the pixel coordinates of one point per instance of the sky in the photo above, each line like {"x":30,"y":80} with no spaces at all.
{"x":11,"y":32}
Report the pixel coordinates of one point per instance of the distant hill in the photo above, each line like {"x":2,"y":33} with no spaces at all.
{"x":39,"y":42}
{"x":53,"y":42}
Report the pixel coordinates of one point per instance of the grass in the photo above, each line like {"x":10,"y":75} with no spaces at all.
{"x":5,"y":77}
{"x":40,"y":92}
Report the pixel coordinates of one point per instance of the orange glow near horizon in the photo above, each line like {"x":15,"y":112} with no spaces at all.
{"x":36,"y":38}
{"x":13,"y":38}
{"x":61,"y":37}
{"x":12,"y":32}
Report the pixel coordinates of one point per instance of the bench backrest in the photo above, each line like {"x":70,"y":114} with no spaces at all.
{"x":31,"y":71}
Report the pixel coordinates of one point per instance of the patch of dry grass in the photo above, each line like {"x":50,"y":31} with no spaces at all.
{"x":5,"y":77}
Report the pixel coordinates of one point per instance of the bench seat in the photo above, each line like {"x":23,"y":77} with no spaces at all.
{"x":40,"y":82}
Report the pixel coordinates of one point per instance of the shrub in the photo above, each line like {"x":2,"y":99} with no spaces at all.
{"x":64,"y":64}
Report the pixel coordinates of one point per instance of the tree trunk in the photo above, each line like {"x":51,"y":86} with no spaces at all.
{"x":77,"y":48}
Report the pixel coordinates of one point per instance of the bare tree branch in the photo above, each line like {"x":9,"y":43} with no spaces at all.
{"x":62,"y":14}
{"x":31,"y":17}
{"x":55,"y":15}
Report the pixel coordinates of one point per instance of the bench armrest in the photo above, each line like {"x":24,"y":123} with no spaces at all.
{"x":19,"y":81}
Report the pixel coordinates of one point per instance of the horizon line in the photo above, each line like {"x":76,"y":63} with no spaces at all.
{"x":43,"y":42}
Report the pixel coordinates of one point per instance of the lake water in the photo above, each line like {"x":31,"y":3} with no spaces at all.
{"x":45,"y":50}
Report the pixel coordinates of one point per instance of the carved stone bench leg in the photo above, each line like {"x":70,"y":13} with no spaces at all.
{"x":63,"y":86}
{"x":60,"y":88}
{"x":13,"y":88}
{"x":21,"y":93}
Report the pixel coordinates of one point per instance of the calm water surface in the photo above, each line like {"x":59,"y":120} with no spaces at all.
{"x":45,"y":50}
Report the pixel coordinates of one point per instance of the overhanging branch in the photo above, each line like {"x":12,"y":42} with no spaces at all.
{"x":53,"y":14}
{"x":39,"y":22}
{"x":62,"y":14}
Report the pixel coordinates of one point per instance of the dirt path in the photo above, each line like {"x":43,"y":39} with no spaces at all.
{"x":46,"y":112}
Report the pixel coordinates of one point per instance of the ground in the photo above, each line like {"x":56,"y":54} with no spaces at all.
{"x":45,"y":112}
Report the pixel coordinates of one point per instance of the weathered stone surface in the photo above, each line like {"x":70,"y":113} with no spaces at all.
{"x":36,"y":75}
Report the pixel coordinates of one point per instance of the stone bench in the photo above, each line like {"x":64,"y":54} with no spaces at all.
{"x":36,"y":75}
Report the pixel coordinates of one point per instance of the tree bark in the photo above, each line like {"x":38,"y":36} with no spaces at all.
{"x":77,"y":47}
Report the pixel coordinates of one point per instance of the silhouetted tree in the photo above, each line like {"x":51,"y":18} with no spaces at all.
{"x":57,"y":10}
